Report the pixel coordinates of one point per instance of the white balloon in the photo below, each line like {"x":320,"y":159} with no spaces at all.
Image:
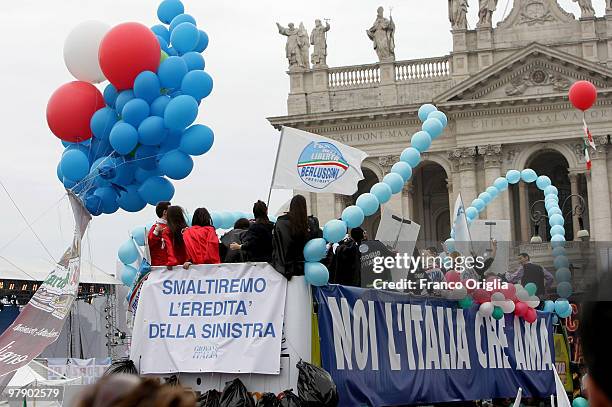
{"x":522,"y":294}
{"x":508,"y":307}
{"x":81,"y":51}
{"x":497,"y":297}
{"x":533,"y":301}
{"x":486,"y":309}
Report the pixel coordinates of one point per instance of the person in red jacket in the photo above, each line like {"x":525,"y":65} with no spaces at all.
{"x":157,"y":244}
{"x":177,"y":254}
{"x":201,"y":240}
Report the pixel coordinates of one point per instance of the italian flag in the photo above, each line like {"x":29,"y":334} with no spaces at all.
{"x":588,"y":142}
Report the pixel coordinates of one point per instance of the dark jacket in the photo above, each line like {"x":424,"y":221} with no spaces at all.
{"x":288,"y":252}
{"x":346,"y":264}
{"x":257,"y":242}
{"x":233,"y":236}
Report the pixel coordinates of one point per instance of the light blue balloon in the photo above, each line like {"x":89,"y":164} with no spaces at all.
{"x":471,"y":212}
{"x":158,"y":107}
{"x":563,"y":274}
{"x":492,"y":191}
{"x":74,"y":165}
{"x":171,"y":72}
{"x":551,"y":197}
{"x":440,"y":116}
{"x":147,"y":86}
{"x":479,"y":204}
{"x":580,"y":402}
{"x":102,"y":122}
{"x":421,"y":141}
{"x":561,"y":262}
{"x":315,"y":249}
{"x":198,"y":84}
{"x":227,"y":221}
{"x":368,"y":203}
{"x":168,"y":9}
{"x":130,"y":200}
{"x":161,"y":31}
{"x":411,"y":156}
{"x":128,"y":253}
{"x":556,"y":220}
{"x":316,"y":273}
{"x":513,"y":176}
{"x":138,"y":234}
{"x":179,"y":19}
{"x":151,"y":131}
{"x":395,"y":181}
{"x":353,"y":216}
{"x":202,"y":42}
{"x":563,"y":308}
{"x":197,"y":140}
{"x":123,"y":138}
{"x":425,"y":110}
{"x":184,"y":37}
{"x":175,"y":164}
{"x":156,"y":189}
{"x":486,"y":198}
{"x":110,"y":95}
{"x":542,"y":182}
{"x":135,"y":111}
{"x":123,"y":97}
{"x":93,"y":204}
{"x":555,"y":211}
{"x":557,"y":240}
{"x":528,"y":175}
{"x":128,"y":275}
{"x":216,"y":219}
{"x":334,"y":231}
{"x":550,"y":204}
{"x":450,"y":244}
{"x":558,"y":251}
{"x":194,"y":61}
{"x":382,"y":191}
{"x":434,"y":127}
{"x":163,"y":44}
{"x":564,"y":289}
{"x":549,"y":306}
{"x":551,"y":190}
{"x":402,"y":168}
{"x":557,"y":230}
{"x":180,"y":112}
{"x":501,"y":184}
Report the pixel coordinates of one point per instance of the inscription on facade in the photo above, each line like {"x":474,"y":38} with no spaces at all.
{"x":374,"y":136}
{"x":532,"y":120}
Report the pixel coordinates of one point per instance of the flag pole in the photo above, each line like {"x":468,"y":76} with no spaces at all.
{"x":280,"y":142}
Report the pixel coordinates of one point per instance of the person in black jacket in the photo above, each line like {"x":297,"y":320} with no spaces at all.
{"x":257,"y":241}
{"x":236,"y":235}
{"x":346,"y":268}
{"x":291,"y":233}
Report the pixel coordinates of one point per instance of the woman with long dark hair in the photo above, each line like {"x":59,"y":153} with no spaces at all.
{"x":176,"y":245}
{"x":201,"y":241}
{"x":291,"y":233}
{"x":257,"y":241}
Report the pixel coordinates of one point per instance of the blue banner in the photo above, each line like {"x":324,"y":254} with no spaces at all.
{"x":384,"y":348}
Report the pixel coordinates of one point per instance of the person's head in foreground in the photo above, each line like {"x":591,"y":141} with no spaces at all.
{"x":357,"y":234}
{"x":161,"y":209}
{"x":523,"y":258}
{"x":595,"y":317}
{"x":201,"y":217}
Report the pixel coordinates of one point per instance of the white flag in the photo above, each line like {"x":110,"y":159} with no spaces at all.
{"x":562,"y":399}
{"x":309,"y":162}
{"x":461,"y":229}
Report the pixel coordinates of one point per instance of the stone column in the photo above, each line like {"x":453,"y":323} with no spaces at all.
{"x":524,"y":212}
{"x":492,"y":154}
{"x":319,"y":98}
{"x":573,"y":177}
{"x":602,"y":214}
{"x":408,"y":201}
{"x":465,"y":158}
{"x":589,"y":39}
{"x":296,"y":101}
{"x":340,"y":205}
{"x":326,"y":207}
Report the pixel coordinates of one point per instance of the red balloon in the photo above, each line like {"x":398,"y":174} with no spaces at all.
{"x":531,"y":315}
{"x":481,"y":296}
{"x":521,"y":309}
{"x":452,"y":276}
{"x":70,"y":108}
{"x":127,"y":50}
{"x":583,"y":95}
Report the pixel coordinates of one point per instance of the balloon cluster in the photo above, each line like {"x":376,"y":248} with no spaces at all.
{"x":557,"y":232}
{"x":124,"y":145}
{"x":433,"y":124}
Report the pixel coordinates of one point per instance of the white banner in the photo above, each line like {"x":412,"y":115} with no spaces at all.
{"x":210,"y":318}
{"x":313,"y":163}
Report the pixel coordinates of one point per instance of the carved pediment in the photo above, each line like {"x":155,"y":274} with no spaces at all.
{"x":526,"y":13}
{"x":535,"y":70}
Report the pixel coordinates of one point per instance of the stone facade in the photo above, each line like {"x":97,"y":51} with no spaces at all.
{"x":504,"y":90}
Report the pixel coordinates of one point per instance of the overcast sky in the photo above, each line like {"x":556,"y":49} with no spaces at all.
{"x":247,"y":61}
